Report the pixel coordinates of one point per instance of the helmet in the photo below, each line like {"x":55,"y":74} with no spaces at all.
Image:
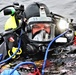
{"x":40,"y":27}
{"x":33,"y":10}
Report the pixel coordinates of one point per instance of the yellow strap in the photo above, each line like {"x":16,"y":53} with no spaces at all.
{"x":13,"y":51}
{"x":10,"y":54}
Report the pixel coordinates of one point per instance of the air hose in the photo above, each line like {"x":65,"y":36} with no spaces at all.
{"x":6,"y":7}
{"x":46,"y":53}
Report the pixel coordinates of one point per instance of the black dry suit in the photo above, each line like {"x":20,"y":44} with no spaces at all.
{"x":24,"y":41}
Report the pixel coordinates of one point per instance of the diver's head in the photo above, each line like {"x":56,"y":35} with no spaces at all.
{"x":39,"y":23}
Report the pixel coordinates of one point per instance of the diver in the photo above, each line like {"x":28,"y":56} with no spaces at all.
{"x":40,"y":27}
{"x":37,"y":30}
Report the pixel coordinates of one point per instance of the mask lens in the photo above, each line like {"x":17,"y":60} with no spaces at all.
{"x":41,"y":32}
{"x":41,"y":26}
